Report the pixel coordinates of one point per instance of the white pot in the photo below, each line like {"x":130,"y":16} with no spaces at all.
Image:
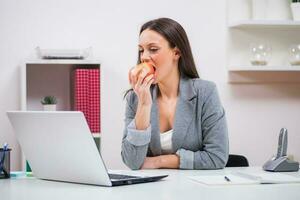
{"x":278,"y":10}
{"x":296,"y":11}
{"x":50,"y":107}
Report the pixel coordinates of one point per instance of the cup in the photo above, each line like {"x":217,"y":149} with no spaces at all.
{"x":4,"y":163}
{"x":260,"y":54}
{"x":294,"y":56}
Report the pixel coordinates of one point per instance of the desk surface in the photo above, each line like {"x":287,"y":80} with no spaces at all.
{"x":176,"y":186}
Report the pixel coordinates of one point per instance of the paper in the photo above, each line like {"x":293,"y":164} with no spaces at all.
{"x":239,"y":178}
{"x":220,"y":180}
{"x":271,"y":177}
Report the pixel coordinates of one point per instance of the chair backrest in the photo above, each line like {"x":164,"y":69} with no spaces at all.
{"x":237,"y":161}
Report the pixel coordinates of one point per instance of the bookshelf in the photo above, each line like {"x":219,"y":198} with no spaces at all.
{"x":52,"y":77}
{"x":279,"y":34}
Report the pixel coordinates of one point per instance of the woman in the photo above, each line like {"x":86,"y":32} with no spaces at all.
{"x":173,"y":118}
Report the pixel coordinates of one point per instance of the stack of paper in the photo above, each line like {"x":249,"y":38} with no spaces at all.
{"x":220,"y":180}
{"x":241,"y":178}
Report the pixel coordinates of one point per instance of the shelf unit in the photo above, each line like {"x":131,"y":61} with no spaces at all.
{"x":275,"y":24}
{"x":279,"y":34}
{"x":52,"y":77}
{"x":264,"y":68}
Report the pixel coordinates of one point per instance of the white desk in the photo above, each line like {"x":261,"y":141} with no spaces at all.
{"x":176,"y":186}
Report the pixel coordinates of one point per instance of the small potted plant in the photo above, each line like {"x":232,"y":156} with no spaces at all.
{"x":49,"y":103}
{"x":295,"y":5}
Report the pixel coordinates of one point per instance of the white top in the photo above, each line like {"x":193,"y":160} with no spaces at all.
{"x":166,"y":141}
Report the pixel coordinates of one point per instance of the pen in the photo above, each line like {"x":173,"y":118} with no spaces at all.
{"x":227,"y":179}
{"x":5,"y":147}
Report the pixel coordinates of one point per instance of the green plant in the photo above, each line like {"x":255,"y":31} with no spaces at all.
{"x":295,"y":1}
{"x":49,"y":100}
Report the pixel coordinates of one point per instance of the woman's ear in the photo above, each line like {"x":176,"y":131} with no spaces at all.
{"x":177,"y":53}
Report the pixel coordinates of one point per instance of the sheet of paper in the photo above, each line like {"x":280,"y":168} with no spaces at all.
{"x":272,"y":177}
{"x":220,"y":180}
{"x":242,"y":178}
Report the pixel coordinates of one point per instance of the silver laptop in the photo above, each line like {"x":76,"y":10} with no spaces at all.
{"x":59,"y":146}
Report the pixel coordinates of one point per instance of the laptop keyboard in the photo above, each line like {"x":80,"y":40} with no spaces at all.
{"x":120,"y":176}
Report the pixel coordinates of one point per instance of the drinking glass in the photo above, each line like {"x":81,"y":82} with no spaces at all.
{"x":294,"y":56}
{"x":260,"y":54}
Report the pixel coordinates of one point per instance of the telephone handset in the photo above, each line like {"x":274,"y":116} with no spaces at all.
{"x":281,"y":163}
{"x":282,"y":143}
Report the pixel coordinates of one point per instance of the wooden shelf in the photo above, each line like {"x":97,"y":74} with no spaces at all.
{"x":264,"y":68}
{"x":264,"y":74}
{"x":278,"y":24}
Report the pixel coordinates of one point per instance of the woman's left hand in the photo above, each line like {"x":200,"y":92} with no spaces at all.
{"x":151,"y":163}
{"x":171,"y":161}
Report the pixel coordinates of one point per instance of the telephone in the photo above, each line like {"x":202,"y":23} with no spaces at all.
{"x":280,"y":162}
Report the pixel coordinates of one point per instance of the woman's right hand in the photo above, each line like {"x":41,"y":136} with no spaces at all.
{"x":140,"y":84}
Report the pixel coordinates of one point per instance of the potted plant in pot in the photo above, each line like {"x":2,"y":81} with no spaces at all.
{"x":49,"y":103}
{"x":295,"y":5}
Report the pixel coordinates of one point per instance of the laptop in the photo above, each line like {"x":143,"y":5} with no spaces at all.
{"x":59,"y":146}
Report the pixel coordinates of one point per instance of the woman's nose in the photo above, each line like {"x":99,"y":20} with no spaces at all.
{"x":145,"y":57}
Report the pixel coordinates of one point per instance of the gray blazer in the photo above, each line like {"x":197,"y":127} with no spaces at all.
{"x":200,"y":135}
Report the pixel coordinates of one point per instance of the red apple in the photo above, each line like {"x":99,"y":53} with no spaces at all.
{"x":146,"y":66}
{"x":138,"y":68}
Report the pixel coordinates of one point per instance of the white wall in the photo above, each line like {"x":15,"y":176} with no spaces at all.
{"x":255,"y":112}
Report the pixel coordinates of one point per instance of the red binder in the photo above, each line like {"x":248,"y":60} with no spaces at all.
{"x":87,"y":96}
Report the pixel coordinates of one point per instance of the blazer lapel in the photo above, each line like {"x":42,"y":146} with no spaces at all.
{"x":155,"y":145}
{"x":185,"y":111}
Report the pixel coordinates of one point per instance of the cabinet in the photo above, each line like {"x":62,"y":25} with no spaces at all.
{"x":52,"y":77}
{"x":279,"y":35}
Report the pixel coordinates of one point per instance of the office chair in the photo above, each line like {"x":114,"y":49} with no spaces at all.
{"x":237,"y":161}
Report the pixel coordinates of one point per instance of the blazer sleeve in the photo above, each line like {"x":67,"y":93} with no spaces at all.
{"x":214,"y":154}
{"x":135,"y":142}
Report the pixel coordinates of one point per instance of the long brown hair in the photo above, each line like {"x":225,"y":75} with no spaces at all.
{"x":174,"y":33}
{"x":176,"y":36}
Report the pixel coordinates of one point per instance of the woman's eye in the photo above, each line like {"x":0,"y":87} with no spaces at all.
{"x":153,"y":50}
{"x":141,"y":51}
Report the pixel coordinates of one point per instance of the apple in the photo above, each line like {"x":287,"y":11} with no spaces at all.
{"x":146,"y":66}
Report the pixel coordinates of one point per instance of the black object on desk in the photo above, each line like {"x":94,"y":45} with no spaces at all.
{"x":4,"y":163}
{"x":227,"y":179}
{"x":237,"y":161}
